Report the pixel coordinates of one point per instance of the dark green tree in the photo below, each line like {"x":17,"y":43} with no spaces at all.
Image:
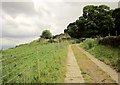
{"x":72,"y":30}
{"x":46,"y":34}
{"x":81,"y":27}
{"x":116,"y":15}
{"x":99,"y":19}
{"x":96,"y":20}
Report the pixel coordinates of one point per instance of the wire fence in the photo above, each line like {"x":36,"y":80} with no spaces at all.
{"x":24,"y":69}
{"x":17,"y":60}
{"x":13,"y":70}
{"x":18,"y":72}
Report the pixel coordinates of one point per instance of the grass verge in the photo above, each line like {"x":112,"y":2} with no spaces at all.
{"x":105,"y":53}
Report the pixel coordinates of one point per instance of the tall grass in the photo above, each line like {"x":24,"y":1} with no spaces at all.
{"x":34,"y":63}
{"x":105,"y":53}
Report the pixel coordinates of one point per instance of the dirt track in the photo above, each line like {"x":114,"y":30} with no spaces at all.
{"x":81,"y":68}
{"x":73,"y":74}
{"x":103,"y":66}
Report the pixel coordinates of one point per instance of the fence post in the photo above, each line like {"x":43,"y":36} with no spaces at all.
{"x":38,"y":67}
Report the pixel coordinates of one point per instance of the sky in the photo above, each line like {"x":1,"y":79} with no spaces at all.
{"x":22,"y":21}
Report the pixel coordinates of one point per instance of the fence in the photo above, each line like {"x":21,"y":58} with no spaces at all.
{"x":10,"y":75}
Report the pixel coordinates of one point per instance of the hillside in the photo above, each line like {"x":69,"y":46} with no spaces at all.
{"x":34,"y":62}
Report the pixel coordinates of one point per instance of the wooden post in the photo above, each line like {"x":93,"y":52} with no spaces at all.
{"x":38,"y":67}
{"x":24,"y":76}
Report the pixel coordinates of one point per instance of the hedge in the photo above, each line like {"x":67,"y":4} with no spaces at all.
{"x":110,"y":40}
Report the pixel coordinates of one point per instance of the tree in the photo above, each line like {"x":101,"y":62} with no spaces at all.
{"x":46,"y":34}
{"x":99,"y":19}
{"x":116,"y":15}
{"x":96,"y":20}
{"x":72,"y":30}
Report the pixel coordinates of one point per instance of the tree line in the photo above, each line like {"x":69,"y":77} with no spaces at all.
{"x":95,"y":21}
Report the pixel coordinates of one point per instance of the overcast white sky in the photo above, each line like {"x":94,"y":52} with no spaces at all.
{"x":23,"y":21}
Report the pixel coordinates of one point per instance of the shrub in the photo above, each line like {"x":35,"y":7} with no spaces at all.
{"x":79,"y":40}
{"x":89,"y":43}
{"x":52,"y":41}
{"x":111,"y":40}
{"x":46,"y":34}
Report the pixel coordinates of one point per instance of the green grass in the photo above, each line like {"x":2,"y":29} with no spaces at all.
{"x":105,"y":53}
{"x":34,"y":63}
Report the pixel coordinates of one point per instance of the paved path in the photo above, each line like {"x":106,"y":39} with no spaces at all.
{"x":103,"y":66}
{"x":73,"y":74}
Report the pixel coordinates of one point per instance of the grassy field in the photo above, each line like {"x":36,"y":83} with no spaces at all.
{"x":105,"y":53}
{"x":34,"y":63}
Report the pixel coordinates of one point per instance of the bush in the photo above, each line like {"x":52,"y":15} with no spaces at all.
{"x":46,"y":34}
{"x":52,"y":41}
{"x":89,"y":43}
{"x":111,"y":40}
{"x":79,"y":40}
{"x":72,"y":41}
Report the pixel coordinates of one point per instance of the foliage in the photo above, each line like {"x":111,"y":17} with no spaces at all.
{"x":96,"y":20}
{"x":52,"y":41}
{"x":46,"y":34}
{"x":34,"y":63}
{"x":116,"y":15}
{"x":72,"y":30}
{"x":89,"y":43}
{"x":58,"y":36}
{"x":110,"y":40}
